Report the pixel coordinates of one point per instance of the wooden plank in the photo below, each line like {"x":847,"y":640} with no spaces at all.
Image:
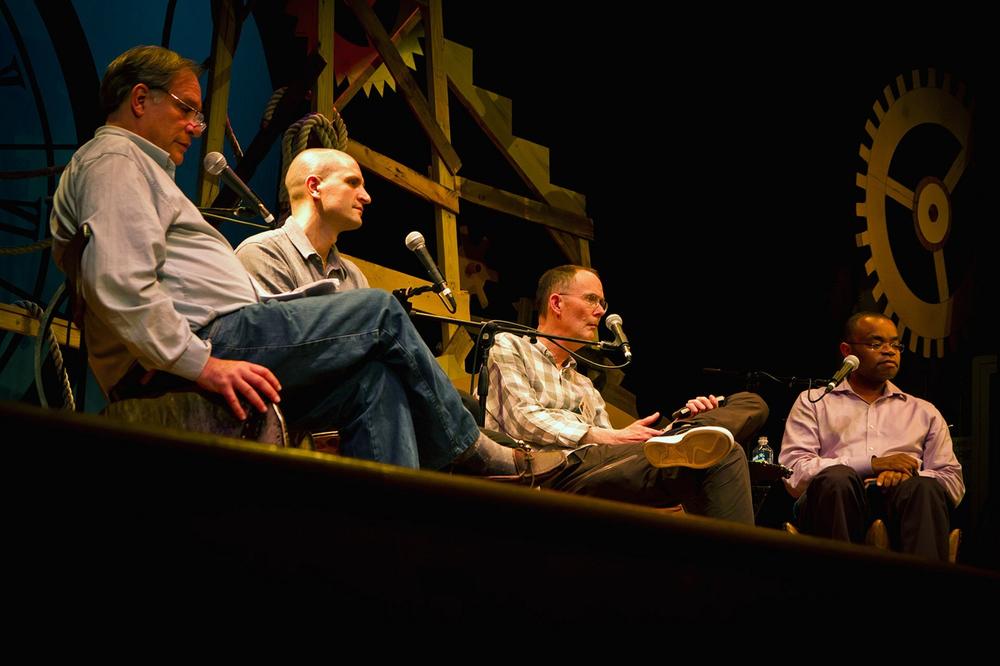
{"x":217,"y":101}
{"x":325,"y":83}
{"x":403,"y":176}
{"x":445,"y":223}
{"x":381,"y":277}
{"x":405,"y":83}
{"x":374,"y":61}
{"x":525,"y":208}
{"x":529,"y":160}
{"x":19,"y":320}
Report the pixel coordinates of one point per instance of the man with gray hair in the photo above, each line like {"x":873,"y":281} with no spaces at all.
{"x":536,"y":394}
{"x":168,"y":302}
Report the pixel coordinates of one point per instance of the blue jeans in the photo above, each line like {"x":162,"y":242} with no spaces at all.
{"x":353,"y":361}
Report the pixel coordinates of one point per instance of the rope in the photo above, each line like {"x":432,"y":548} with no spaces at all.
{"x":69,"y":403}
{"x":328,"y":132}
{"x":25,"y":249}
{"x":34,"y":173}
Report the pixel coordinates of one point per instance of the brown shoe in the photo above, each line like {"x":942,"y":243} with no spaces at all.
{"x":533,"y":466}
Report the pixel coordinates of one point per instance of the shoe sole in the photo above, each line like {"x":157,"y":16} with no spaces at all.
{"x":698,"y":448}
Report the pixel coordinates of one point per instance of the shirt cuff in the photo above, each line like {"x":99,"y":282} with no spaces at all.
{"x":861,"y":465}
{"x":193,"y":360}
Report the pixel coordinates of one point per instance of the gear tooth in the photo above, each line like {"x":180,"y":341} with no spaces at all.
{"x":865,"y":152}
{"x":931,"y":77}
{"x":940,"y":348}
{"x":915,"y":75}
{"x":861,"y":180}
{"x":890,"y":99}
{"x":861,"y":239}
{"x":861,"y":210}
{"x":913,"y":343}
{"x":901,"y":85}
{"x":960,"y":91}
{"x":890,"y":313}
{"x":877,"y":292}
{"x":925,"y":347}
{"x":879,"y":110}
{"x":871,"y":129}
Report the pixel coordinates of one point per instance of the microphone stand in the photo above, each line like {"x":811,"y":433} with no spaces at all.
{"x":487,"y":331}
{"x":215,"y":215}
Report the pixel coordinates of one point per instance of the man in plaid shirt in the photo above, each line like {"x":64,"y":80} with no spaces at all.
{"x":536,"y":394}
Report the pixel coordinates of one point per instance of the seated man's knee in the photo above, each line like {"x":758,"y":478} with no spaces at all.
{"x":753,"y":404}
{"x":837,"y":477}
{"x":923,"y":487}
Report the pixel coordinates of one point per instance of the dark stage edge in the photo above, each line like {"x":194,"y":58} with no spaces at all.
{"x":146,"y":522}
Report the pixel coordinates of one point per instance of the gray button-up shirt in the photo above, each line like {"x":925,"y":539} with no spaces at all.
{"x":283,"y":259}
{"x":154,"y":271}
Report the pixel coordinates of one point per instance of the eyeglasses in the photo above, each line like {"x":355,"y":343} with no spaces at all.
{"x":194,"y":116}
{"x":878,"y":346}
{"x":593,"y":300}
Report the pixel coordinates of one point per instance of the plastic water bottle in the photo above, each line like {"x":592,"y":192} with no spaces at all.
{"x":762,"y":453}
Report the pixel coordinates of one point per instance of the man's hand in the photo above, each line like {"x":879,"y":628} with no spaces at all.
{"x":233,"y":379}
{"x":635,"y":433}
{"x":890,"y":478}
{"x":897,"y":462}
{"x":701,"y":404}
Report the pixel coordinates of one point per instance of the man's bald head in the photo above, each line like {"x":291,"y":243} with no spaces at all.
{"x":318,"y":162}
{"x":327,"y":185}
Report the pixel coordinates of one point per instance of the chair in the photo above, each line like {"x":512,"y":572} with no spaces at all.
{"x":180,"y":404}
{"x":877,"y":536}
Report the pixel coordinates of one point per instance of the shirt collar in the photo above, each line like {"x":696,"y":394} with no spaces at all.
{"x":155,"y":153}
{"x":570,"y":362}
{"x":301,"y":242}
{"x":891,"y":390}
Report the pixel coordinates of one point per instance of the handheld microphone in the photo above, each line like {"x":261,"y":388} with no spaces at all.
{"x":415,"y":243}
{"x":850,"y":364}
{"x":215,"y":164}
{"x":684,"y":412}
{"x":614,"y":324}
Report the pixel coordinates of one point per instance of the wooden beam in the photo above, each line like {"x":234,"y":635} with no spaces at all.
{"x":493,"y":112}
{"x":19,"y":320}
{"x":525,"y":208}
{"x":403,"y":176}
{"x":325,"y":83}
{"x":381,"y":277}
{"x":404,"y":81}
{"x":217,"y":101}
{"x":374,"y":61}
{"x":445,"y":224}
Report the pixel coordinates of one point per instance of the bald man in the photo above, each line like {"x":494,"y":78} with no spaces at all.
{"x":327,"y":195}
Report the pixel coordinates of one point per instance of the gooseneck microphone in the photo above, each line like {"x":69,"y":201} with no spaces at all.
{"x":850,"y":365}
{"x":415,"y":243}
{"x":614,"y":324}
{"x":215,"y":164}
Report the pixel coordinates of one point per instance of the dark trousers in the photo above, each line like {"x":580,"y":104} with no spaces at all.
{"x":837,"y":505}
{"x":621,"y":471}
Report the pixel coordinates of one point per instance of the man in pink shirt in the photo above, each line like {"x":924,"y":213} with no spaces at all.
{"x":867,"y":428}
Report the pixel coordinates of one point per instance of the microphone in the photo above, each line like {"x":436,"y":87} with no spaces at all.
{"x":850,"y":364}
{"x":215,"y":164}
{"x":614,"y":324}
{"x":684,"y":412}
{"x":415,"y":243}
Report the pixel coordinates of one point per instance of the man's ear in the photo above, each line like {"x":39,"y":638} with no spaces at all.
{"x":139,"y":99}
{"x":555,"y":303}
{"x":312,"y":185}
